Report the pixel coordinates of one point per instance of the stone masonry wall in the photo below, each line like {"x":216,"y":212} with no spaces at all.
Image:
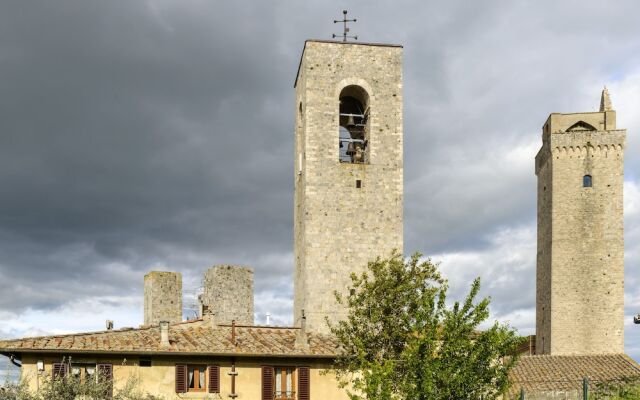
{"x":338,"y":227}
{"x":580,"y":271}
{"x":162,"y":297}
{"x":228,"y":293}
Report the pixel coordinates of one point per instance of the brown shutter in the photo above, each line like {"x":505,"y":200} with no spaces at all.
{"x":105,"y":376}
{"x":304,"y":383}
{"x":58,"y":370}
{"x":214,"y":379}
{"x":181,"y":378}
{"x":267,"y":383}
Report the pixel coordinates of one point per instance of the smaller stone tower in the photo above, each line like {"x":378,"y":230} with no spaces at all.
{"x":162,"y":297}
{"x":228,"y":294}
{"x":580,"y":260}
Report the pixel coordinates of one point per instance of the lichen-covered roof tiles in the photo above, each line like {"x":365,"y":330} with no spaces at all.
{"x":198,"y":337}
{"x":542,"y":373}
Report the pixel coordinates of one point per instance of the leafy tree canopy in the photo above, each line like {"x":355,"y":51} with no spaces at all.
{"x":401,"y":340}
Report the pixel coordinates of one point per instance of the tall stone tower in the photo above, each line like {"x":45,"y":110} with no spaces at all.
{"x":580,"y":260}
{"x":348,"y":169}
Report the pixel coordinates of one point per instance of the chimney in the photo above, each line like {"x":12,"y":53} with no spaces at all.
{"x":162,"y":297}
{"x":164,"y":334}
{"x":302,"y":339}
{"x":210,"y":316}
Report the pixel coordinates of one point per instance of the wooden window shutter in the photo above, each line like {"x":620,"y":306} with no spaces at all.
{"x":181,"y":378}
{"x":304,"y":383}
{"x":214,"y":379}
{"x":105,"y":376}
{"x":267,"y":383}
{"x":59,"y":370}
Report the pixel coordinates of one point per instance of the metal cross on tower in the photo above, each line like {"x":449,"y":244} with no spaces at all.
{"x":345,"y":35}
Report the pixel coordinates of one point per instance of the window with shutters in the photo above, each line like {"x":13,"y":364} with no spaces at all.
{"x":86,"y":372}
{"x":197,"y":378}
{"x":79,"y":371}
{"x":285,"y":383}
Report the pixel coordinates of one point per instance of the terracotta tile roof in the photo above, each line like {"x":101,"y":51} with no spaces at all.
{"x":542,"y":373}
{"x":198,"y":337}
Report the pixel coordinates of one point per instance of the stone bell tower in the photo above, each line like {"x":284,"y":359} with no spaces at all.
{"x":348,"y":169}
{"x":580,"y":260}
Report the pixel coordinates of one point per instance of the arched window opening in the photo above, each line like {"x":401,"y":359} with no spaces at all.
{"x":353,"y":134}
{"x":587,"y":181}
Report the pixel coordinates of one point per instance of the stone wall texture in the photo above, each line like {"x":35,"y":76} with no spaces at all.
{"x":339,"y":227}
{"x":228,"y":294}
{"x":162,"y":297}
{"x":580,"y":259}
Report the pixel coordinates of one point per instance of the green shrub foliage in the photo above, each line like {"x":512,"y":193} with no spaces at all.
{"x":401,"y":340}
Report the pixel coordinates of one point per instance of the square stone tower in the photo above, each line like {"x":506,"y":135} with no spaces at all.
{"x":228,"y":294}
{"x":162,"y":297}
{"x":348,"y":169}
{"x":580,"y":260}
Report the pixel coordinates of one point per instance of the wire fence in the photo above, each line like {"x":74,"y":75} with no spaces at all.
{"x":580,"y":389}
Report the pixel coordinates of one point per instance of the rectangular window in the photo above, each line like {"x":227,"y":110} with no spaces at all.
{"x":284,"y":383}
{"x":196,"y":380}
{"x":82,"y":372}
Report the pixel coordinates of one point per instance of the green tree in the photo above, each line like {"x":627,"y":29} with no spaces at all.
{"x":400,"y":340}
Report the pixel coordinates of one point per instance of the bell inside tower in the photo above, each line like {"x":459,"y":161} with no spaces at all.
{"x":354,"y":115}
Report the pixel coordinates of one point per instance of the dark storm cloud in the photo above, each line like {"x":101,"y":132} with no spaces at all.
{"x":128,"y":126}
{"x":159,"y":134}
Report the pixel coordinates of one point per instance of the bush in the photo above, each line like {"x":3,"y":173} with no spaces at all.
{"x":625,"y":389}
{"x":71,"y":389}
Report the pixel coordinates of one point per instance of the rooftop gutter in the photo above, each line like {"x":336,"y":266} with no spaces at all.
{"x":166,"y":353}
{"x":12,"y":358}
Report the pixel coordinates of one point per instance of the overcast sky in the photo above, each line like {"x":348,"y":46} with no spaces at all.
{"x":139,"y":135}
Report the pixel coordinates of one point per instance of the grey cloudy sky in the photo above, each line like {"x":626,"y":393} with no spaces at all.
{"x":158,"y":134}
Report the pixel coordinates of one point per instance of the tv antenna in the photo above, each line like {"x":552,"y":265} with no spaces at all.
{"x":345,"y":34}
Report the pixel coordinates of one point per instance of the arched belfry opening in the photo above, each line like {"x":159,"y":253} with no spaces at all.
{"x":354,"y":118}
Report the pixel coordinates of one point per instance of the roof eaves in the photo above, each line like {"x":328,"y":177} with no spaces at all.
{"x":165,"y":353}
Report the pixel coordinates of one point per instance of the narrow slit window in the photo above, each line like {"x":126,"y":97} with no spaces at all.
{"x":587,"y":181}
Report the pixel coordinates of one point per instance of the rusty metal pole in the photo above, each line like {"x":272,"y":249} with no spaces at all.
{"x":233,"y":374}
{"x":233,"y":332}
